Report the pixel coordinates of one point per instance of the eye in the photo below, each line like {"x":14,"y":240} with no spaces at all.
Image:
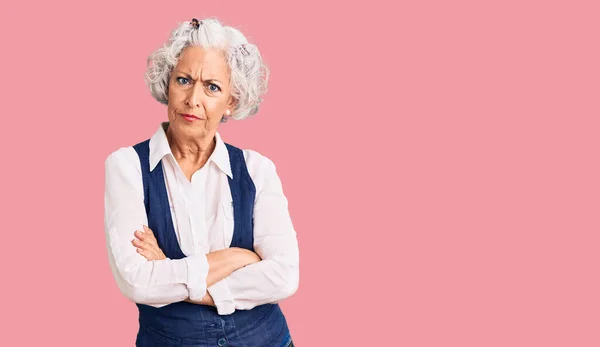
{"x":213,"y":87}
{"x":183,"y":81}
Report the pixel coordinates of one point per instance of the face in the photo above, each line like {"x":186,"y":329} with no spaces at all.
{"x":199,"y":93}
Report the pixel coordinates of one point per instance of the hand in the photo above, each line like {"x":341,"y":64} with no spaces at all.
{"x":207,"y":300}
{"x":147,"y":246}
{"x":224,"y":262}
{"x":243,"y":256}
{"x":251,"y":256}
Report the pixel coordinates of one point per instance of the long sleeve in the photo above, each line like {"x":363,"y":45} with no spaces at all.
{"x":276,"y":276}
{"x":155,"y":283}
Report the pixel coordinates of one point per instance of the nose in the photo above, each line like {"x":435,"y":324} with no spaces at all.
{"x":194,"y":97}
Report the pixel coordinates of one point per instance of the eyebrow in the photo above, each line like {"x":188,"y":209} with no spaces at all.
{"x":213,"y":80}
{"x":187,"y":74}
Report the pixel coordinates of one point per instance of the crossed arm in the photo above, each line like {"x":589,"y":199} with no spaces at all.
{"x":222,"y":263}
{"x":230,"y":279}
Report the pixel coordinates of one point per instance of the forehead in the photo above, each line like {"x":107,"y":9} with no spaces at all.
{"x":205,"y":63}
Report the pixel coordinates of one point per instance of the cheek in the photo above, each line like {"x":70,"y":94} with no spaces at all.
{"x":172,"y":94}
{"x":175,"y":100}
{"x":209,"y":108}
{"x":171,"y":109}
{"x":218,"y":105}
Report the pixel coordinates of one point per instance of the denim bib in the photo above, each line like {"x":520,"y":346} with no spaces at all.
{"x":186,"y":324}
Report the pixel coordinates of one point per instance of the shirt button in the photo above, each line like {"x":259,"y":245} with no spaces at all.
{"x":222,"y":342}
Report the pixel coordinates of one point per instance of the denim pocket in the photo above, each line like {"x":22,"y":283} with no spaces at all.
{"x":266,"y":310}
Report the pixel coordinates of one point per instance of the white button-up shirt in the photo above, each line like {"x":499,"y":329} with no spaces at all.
{"x":202,"y":214}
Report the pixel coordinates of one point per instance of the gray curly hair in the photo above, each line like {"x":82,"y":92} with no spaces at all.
{"x":249,"y":75}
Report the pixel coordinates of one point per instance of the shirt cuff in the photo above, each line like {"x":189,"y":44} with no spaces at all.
{"x":222,"y":297}
{"x":197,"y":271}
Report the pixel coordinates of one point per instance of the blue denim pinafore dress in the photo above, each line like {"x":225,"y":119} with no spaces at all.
{"x":187,"y":324}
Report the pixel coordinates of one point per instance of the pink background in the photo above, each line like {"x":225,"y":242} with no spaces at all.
{"x":440,"y":159}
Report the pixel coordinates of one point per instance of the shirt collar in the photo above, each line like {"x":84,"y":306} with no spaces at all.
{"x":159,"y":147}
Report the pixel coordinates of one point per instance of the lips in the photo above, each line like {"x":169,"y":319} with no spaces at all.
{"x":190,"y":117}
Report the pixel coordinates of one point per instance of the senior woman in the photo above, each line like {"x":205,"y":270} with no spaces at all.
{"x":198,"y":231}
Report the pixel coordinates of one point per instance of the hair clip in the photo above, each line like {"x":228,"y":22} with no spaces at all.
{"x":196,"y":23}
{"x":244,"y":50}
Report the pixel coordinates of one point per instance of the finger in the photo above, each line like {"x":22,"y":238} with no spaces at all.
{"x":149,"y":241}
{"x":148,"y":237}
{"x":149,"y":232}
{"x":137,"y":243}
{"x":143,"y":245}
{"x":140,"y":235}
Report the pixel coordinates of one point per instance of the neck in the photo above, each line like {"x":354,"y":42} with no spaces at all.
{"x":195,"y":151}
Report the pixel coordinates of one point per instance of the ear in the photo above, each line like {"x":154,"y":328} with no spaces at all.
{"x":232,"y":103}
